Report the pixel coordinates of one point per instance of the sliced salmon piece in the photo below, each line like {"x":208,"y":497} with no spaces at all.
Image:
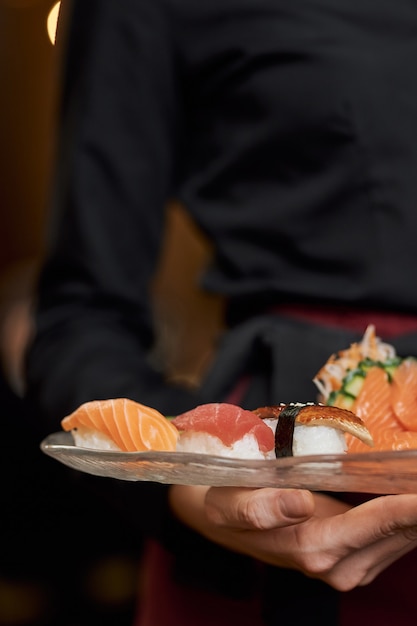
{"x":132,"y":426}
{"x":406,"y":440}
{"x":391,"y":439}
{"x":404,"y":393}
{"x":373,"y":406}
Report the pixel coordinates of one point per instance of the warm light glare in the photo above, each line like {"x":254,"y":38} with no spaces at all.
{"x":52,"y":21}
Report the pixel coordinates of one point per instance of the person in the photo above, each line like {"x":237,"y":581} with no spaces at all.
{"x":289,"y":133}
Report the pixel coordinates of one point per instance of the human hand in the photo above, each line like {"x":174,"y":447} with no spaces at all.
{"x":315,"y":534}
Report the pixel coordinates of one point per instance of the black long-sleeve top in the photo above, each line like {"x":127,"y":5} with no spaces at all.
{"x":288,"y":130}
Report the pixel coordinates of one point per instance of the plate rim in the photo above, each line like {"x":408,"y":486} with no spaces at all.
{"x":49,"y":445}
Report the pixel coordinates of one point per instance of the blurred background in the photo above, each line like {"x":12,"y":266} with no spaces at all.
{"x":53,"y":572}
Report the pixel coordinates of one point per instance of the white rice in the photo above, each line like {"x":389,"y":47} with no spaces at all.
{"x":307,"y":440}
{"x":203,"y":443}
{"x":318,"y":440}
{"x":314,"y":439}
{"x":90,"y":438}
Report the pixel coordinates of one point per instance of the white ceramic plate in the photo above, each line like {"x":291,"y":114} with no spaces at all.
{"x":374,"y":472}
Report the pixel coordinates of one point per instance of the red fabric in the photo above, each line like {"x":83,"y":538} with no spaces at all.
{"x":387,"y":323}
{"x":391,"y":600}
{"x":165,"y":603}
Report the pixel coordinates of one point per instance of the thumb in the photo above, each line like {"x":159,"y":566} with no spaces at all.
{"x":295,"y":504}
{"x":258,"y":509}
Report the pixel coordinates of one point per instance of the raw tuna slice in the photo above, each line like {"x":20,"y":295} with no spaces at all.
{"x":228,"y":422}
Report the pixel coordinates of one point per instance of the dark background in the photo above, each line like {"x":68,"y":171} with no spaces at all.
{"x":64,"y":560}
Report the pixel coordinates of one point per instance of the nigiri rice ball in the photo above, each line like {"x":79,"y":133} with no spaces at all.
{"x":245,"y":448}
{"x":88,"y":438}
{"x":314,"y":439}
{"x":318,"y":440}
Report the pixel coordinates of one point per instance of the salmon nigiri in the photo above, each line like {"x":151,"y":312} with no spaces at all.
{"x":120,"y":424}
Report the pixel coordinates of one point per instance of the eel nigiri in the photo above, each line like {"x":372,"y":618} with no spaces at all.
{"x":120,"y":424}
{"x":302,"y":429}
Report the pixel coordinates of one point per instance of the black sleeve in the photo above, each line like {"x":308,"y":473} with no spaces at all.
{"x":120,"y":117}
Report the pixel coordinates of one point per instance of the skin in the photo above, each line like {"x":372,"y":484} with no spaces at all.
{"x":322,"y":537}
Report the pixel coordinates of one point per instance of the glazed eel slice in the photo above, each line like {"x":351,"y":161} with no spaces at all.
{"x":288,"y":415}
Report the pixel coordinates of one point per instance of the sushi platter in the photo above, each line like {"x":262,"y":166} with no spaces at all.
{"x":373,"y":472}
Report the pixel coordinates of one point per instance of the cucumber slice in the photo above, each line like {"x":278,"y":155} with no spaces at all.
{"x":391,"y":365}
{"x":354,"y":379}
{"x":341,"y":399}
{"x":353,"y":382}
{"x":367,"y":363}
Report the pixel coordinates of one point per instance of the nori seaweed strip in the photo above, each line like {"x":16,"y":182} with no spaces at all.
{"x":284,"y":432}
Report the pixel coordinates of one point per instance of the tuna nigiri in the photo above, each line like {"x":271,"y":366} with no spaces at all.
{"x":120,"y":424}
{"x":224,"y":429}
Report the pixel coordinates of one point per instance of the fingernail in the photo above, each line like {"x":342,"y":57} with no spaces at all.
{"x":296,"y":503}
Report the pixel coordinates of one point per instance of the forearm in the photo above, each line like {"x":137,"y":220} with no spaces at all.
{"x":88,"y":359}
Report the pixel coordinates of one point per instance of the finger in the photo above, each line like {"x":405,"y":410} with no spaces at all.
{"x":382,"y":564}
{"x":259,"y":509}
{"x":363,"y":542}
{"x":362,"y":567}
{"x":377,"y":519}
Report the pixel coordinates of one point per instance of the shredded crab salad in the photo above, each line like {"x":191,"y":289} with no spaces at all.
{"x":330,"y":377}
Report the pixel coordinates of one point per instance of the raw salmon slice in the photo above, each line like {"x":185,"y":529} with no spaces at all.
{"x":132,"y":426}
{"x":406,"y":440}
{"x":404,"y":393}
{"x":394,"y":440}
{"x":373,"y":406}
{"x":227,"y":422}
